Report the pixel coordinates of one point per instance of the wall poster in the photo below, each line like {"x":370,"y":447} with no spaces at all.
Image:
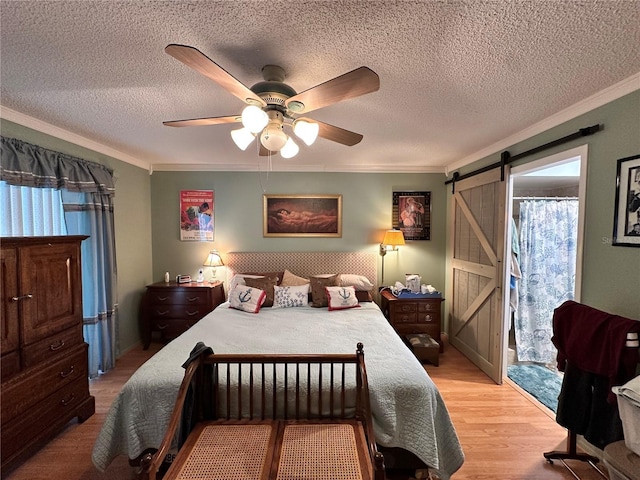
{"x":196,"y":215}
{"x":411,"y":213}
{"x":626,"y":226}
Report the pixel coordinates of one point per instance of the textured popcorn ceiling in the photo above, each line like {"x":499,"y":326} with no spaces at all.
{"x":457,"y":77}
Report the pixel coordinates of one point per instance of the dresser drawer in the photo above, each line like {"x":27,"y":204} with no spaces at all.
{"x":179,"y":296}
{"x":172,"y":327}
{"x":50,"y":348}
{"x":59,"y":407}
{"x":34,"y":385}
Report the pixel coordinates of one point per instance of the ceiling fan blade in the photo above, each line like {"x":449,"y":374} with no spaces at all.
{"x":353,"y":84}
{"x":336,"y":134}
{"x":198,"y":61}
{"x":196,"y":122}
{"x":264,"y":152}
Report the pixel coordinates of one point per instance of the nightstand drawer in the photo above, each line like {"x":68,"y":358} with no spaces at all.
{"x":178,"y":311}
{"x":179,"y":297}
{"x":404,"y":318}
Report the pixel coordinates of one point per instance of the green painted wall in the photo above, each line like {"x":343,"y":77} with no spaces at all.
{"x":132,"y":225}
{"x":238,"y":218}
{"x":611,"y":274}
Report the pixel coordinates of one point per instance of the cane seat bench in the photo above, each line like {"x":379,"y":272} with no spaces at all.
{"x":272,"y":416}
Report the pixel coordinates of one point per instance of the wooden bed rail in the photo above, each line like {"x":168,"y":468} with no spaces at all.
{"x":275,"y":389}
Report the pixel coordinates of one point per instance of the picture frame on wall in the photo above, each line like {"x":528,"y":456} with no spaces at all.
{"x":196,"y":215}
{"x":302,"y":215}
{"x":411,"y":212}
{"x":626,"y":226}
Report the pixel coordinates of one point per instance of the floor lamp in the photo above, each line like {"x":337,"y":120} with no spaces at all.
{"x":393,"y":239}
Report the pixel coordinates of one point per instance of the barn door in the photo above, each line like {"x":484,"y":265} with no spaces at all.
{"x":478,"y":238}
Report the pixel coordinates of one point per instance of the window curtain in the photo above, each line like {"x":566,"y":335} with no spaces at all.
{"x":548,"y":242}
{"x":87,"y":191}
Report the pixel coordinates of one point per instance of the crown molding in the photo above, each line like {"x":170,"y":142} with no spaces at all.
{"x":57,"y":132}
{"x":599,"y":99}
{"x":254,"y":167}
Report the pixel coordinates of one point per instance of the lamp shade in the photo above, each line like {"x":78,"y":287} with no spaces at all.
{"x":213,"y":259}
{"x":393,"y":238}
{"x":254,"y":118}
{"x":307,"y":131}
{"x":290,"y":149}
{"x":242,"y":137}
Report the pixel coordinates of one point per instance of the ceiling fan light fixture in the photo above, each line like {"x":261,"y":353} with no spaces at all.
{"x":254,"y":118}
{"x":242,"y":137}
{"x":306,"y":131}
{"x":273,"y":138}
{"x":290,"y":149}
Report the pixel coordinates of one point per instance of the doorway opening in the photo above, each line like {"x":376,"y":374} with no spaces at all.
{"x":546,"y":202}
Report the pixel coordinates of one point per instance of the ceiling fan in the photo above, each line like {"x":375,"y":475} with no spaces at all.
{"x":273,"y":105}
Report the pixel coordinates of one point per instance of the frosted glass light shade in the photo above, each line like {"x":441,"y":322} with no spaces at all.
{"x":242,"y":137}
{"x":273,"y":138}
{"x":290,"y":149}
{"x":254,"y":118}
{"x":306,"y":131}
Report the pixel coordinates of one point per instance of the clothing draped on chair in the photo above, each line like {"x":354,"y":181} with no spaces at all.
{"x":87,"y":190}
{"x":548,"y":242}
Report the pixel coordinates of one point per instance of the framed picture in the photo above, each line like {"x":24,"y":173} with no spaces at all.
{"x":412,"y":214}
{"x":196,"y":215}
{"x":626,"y":226}
{"x":302,"y":216}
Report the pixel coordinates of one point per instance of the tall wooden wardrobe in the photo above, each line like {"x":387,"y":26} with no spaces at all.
{"x":43,"y":353}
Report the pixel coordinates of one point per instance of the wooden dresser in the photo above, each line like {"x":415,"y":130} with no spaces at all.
{"x":171,"y":308}
{"x":43,"y":354}
{"x":413,"y":315}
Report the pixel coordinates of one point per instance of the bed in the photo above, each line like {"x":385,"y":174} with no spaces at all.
{"x":409,"y":412}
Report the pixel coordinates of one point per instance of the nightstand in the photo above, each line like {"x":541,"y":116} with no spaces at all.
{"x":172,"y":308}
{"x":413,"y":315}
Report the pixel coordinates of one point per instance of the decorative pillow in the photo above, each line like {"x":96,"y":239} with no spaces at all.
{"x":266,"y":284}
{"x":318,"y":292}
{"x":340,"y":298}
{"x":247,"y":299}
{"x":239,"y":279}
{"x":363,"y":296}
{"x":291,"y":296}
{"x":291,"y":280}
{"x":360,"y":282}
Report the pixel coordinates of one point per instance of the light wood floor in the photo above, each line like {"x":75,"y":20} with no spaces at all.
{"x":503,"y":433}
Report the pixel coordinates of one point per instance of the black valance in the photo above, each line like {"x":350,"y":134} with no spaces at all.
{"x":28,"y":165}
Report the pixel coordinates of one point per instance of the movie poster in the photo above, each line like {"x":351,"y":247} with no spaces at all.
{"x":196,"y":215}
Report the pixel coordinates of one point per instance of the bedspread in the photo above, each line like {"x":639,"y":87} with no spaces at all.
{"x":408,"y":410}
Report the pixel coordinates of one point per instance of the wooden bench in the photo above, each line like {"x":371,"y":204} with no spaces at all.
{"x":272,"y":416}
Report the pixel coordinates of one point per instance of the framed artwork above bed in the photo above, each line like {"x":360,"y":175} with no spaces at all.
{"x":302,"y":216}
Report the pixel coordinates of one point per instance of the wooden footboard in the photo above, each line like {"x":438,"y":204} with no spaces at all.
{"x":274,"y":416}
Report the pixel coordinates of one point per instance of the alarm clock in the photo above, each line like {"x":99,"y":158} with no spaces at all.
{"x":183,"y":279}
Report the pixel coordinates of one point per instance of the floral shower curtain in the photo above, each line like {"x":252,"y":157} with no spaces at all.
{"x":548,"y":242}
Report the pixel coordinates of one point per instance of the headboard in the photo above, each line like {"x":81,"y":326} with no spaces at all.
{"x":304,"y":264}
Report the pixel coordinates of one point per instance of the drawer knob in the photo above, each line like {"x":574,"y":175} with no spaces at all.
{"x":67,"y":373}
{"x":163,"y":299}
{"x":406,"y":308}
{"x":56,"y":346}
{"x":162,"y":313}
{"x":191,"y":314}
{"x":68,"y":400}
{"x":161,"y":327}
{"x":428,"y":318}
{"x":193,"y":299}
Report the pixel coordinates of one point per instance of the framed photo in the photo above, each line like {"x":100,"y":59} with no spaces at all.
{"x":302,"y":216}
{"x":412,"y":214}
{"x":196,"y":215}
{"x":626,"y":226}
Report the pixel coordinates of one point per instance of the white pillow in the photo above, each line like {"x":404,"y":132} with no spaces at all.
{"x":339,"y":298}
{"x":247,"y":299}
{"x":238,"y":279}
{"x":291,"y":296}
{"x":360,"y":282}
